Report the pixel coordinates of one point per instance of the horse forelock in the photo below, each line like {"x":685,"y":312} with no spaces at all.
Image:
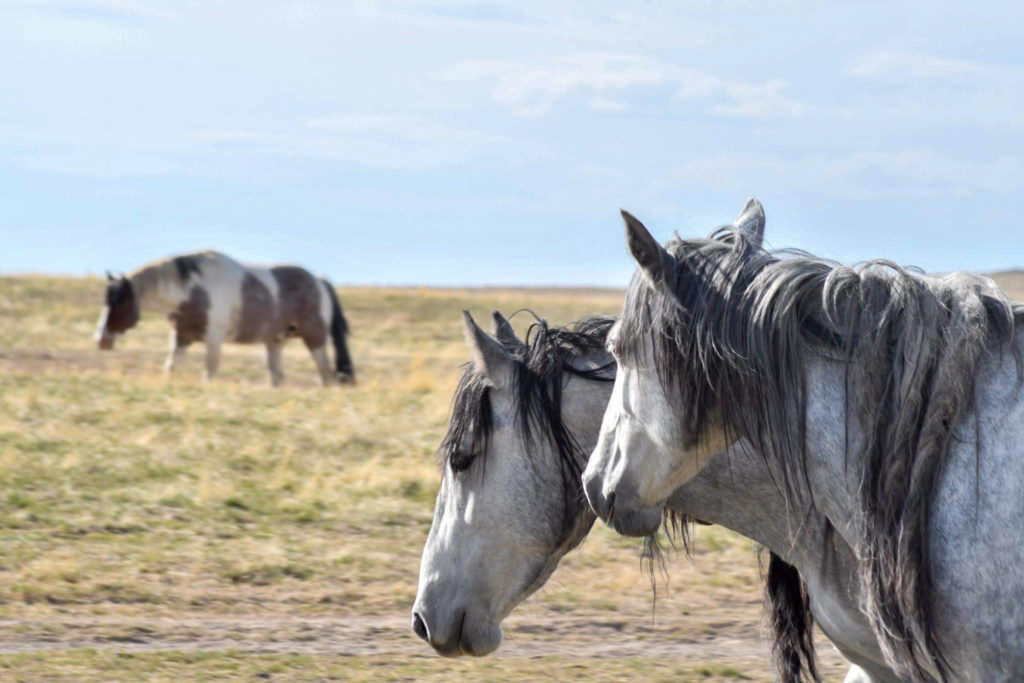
{"x":731,"y":330}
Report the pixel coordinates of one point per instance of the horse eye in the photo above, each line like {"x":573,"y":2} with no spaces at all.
{"x":460,"y":461}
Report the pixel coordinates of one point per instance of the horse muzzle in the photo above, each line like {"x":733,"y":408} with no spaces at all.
{"x":620,"y":508}
{"x":105,"y":342}
{"x":454,"y":633}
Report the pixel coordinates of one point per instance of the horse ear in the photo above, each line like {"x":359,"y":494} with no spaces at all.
{"x":110,"y":278}
{"x":503,"y":330}
{"x":489,"y":357}
{"x":751,"y":221}
{"x":651,"y":256}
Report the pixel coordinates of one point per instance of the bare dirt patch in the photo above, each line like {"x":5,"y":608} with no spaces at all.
{"x":579,"y":636}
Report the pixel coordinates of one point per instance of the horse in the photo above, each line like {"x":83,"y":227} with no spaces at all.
{"x":889,"y":404}
{"x":211,"y":298}
{"x":510,"y":506}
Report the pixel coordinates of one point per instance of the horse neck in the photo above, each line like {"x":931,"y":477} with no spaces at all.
{"x":743,"y":491}
{"x":736,"y":490}
{"x":585,"y":399}
{"x":157,"y":287}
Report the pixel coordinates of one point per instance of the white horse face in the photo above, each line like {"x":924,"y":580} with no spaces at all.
{"x":644,"y":452}
{"x":639,"y":459}
{"x":104,"y":338}
{"x":501,"y":522}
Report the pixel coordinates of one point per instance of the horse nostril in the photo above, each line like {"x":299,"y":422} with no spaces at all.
{"x":419,"y":627}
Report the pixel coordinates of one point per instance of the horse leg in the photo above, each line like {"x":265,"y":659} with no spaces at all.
{"x":212,"y":358}
{"x":323,"y":364}
{"x":274,"y":362}
{"x":176,"y":353}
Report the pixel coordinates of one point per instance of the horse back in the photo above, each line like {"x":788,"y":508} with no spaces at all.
{"x":277,"y":302}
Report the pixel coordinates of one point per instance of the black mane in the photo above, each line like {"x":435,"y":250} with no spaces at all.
{"x":542,"y":364}
{"x":186,"y":267}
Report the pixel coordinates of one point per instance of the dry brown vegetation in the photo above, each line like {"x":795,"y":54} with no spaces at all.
{"x":168,"y":529}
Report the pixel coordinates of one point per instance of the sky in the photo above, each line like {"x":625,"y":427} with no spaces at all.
{"x":448,"y":142}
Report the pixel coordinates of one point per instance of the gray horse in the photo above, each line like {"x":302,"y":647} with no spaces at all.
{"x":510,"y":506}
{"x":888,"y":404}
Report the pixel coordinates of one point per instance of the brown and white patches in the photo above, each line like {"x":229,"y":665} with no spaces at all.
{"x":256,"y":316}
{"x":191,"y":317}
{"x":298,"y":308}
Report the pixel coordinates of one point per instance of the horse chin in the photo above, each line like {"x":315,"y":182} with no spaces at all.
{"x":476,"y":640}
{"x":642,"y":521}
{"x":480,"y":641}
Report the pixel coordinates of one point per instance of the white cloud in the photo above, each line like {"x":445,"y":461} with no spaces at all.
{"x":393,"y":141}
{"x":390,"y":141}
{"x":584,"y":21}
{"x":608,"y":104}
{"x":532,"y":89}
{"x":923,"y":88}
{"x":404,"y":142}
{"x":902,"y":65}
{"x":102,"y":11}
{"x":109,"y":164}
{"x":860,"y":175}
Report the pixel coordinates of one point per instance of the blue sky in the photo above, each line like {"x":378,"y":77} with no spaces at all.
{"x":450,"y":142}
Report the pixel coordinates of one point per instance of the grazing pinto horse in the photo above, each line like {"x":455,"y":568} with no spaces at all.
{"x":211,"y":298}
{"x":524,"y":418}
{"x":888,"y":405}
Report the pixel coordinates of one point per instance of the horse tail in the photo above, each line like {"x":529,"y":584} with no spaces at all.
{"x":789,"y":617}
{"x":339,"y":332}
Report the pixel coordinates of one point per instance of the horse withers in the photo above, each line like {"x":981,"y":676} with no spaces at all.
{"x":211,"y":298}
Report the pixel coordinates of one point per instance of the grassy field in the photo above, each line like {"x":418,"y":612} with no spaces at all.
{"x":169,"y":530}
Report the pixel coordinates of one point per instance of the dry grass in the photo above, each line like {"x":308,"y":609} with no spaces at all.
{"x":126,"y":499}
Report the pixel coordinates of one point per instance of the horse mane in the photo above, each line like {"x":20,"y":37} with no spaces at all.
{"x":181,"y":268}
{"x":543,"y":362}
{"x":731,"y":343}
{"x":788,"y":610}
{"x":187,"y":265}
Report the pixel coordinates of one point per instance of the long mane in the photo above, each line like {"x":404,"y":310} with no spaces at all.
{"x":731,"y":343}
{"x":543,"y":362}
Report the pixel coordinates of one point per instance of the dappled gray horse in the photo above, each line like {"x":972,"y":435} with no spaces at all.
{"x":888,"y":404}
{"x":211,"y":298}
{"x":510,"y":507}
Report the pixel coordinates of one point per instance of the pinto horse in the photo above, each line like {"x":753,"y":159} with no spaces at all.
{"x":211,"y":298}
